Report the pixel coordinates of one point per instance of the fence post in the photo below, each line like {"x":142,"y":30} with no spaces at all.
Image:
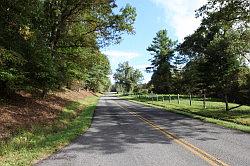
{"x":190,"y":99}
{"x":226,"y":102}
{"x":162,"y":98}
{"x":169,"y":98}
{"x":178,"y":96}
{"x":157,"y":97}
{"x":204,"y":101}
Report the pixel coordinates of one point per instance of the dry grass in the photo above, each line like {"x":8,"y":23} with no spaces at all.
{"x":22,"y":111}
{"x":28,"y":146}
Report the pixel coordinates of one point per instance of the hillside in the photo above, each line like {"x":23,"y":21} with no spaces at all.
{"x":22,"y":111}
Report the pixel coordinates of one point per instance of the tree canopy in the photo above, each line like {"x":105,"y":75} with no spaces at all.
{"x":218,"y":50}
{"x":45,"y":45}
{"x":162,"y":49}
{"x":127,"y":78}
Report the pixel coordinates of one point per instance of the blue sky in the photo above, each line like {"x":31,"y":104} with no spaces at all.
{"x":177,"y":16}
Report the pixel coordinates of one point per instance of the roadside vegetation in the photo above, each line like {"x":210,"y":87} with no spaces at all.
{"x":27,"y":146}
{"x":212,"y":63}
{"x":238,"y":117}
{"x":50,"y":60}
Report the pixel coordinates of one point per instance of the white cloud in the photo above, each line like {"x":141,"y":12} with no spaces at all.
{"x":147,"y":77}
{"x":181,"y":14}
{"x":121,"y":55}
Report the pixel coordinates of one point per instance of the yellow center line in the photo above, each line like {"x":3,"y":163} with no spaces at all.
{"x":195,"y":150}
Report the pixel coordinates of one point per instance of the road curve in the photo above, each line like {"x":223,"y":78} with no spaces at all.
{"x":129,"y":134}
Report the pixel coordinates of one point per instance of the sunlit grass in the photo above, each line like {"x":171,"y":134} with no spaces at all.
{"x":214,"y":112}
{"x":28,"y":146}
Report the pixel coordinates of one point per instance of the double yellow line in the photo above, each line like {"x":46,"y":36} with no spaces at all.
{"x":195,"y":150}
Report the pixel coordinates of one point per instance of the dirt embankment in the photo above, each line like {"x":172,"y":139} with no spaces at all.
{"x":23,"y":111}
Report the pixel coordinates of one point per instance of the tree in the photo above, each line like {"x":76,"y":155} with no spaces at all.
{"x":162,"y":49}
{"x":218,"y":44}
{"x":191,"y":77}
{"x":126,"y":77}
{"x":45,"y":45}
{"x":97,"y":78}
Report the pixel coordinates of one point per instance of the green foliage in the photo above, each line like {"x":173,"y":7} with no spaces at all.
{"x":162,"y":49}
{"x":49,"y":44}
{"x":161,"y":79}
{"x":218,"y":50}
{"x":127,"y":78}
{"x":97,"y":79}
{"x":10,"y":70}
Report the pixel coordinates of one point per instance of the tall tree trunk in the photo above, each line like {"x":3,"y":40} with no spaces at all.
{"x":190,"y":99}
{"x":226,"y":102}
{"x":5,"y":90}
{"x":44,"y":93}
{"x":204,"y":101}
{"x":2,"y":88}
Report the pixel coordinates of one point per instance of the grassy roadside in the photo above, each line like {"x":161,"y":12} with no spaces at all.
{"x":27,"y":147}
{"x":237,"y":119}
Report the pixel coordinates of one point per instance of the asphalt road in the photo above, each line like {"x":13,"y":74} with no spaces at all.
{"x":128,"y":134}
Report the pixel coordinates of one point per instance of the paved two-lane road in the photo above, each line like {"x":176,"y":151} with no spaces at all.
{"x":129,"y":134}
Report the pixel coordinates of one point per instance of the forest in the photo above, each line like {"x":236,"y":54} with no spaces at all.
{"x":47,"y":45}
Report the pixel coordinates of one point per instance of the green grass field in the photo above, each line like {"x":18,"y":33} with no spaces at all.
{"x":27,"y":147}
{"x":239,"y":116}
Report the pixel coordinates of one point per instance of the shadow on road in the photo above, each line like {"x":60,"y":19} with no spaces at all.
{"x":115,"y":130}
{"x":115,"y":134}
{"x":181,"y":125}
